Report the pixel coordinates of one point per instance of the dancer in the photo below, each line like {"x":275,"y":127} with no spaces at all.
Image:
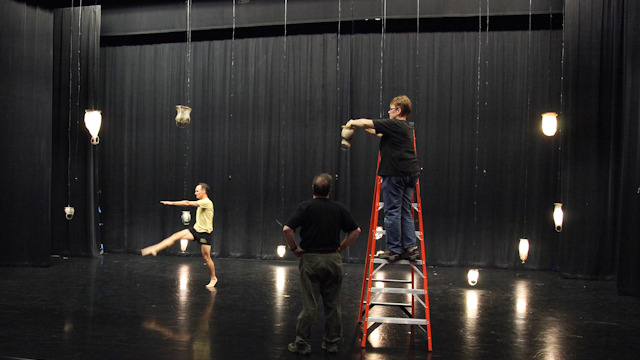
{"x":201,"y":230}
{"x":320,"y":220}
{"x":399,"y":169}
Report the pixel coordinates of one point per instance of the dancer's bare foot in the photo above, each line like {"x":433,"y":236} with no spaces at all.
{"x":150,"y":250}
{"x":212,"y":283}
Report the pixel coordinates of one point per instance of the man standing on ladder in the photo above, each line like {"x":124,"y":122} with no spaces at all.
{"x":399,"y":169}
{"x":320,"y":220}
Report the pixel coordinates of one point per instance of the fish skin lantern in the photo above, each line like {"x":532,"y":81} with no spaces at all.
{"x":347,"y":135}
{"x":183,"y":117}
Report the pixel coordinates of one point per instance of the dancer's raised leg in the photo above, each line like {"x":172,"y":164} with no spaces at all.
{"x":154,"y":249}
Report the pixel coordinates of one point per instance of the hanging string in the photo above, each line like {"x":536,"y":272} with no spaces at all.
{"x":486,"y":86}
{"x":417,"y":96}
{"x":70,"y":99}
{"x":79,"y":80}
{"x":477,"y":134}
{"x":382,"y":38}
{"x":524,"y":129}
{"x":338,"y":54}
{"x":338,"y":75}
{"x":561,"y":110}
{"x":233,"y":60}
{"x":189,"y":2}
{"x":282,"y":118}
{"x":187,"y":95}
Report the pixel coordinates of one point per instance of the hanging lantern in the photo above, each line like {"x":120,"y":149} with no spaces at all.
{"x":186,"y":217}
{"x":523,"y":247}
{"x":347,"y":135}
{"x":549,"y":123}
{"x":558,"y":216}
{"x":68,"y":212}
{"x":183,"y":244}
{"x":472,"y":277}
{"x":183,"y":117}
{"x":93,"y":120}
{"x":281,"y":250}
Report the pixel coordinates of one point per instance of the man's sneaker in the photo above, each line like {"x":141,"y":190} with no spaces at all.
{"x":331,"y":348}
{"x":299,"y":348}
{"x":389,"y":255}
{"x":412,"y":254}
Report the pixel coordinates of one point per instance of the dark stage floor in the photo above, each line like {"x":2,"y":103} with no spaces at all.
{"x":130,"y":307}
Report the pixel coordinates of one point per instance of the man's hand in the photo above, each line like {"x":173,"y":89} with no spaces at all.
{"x":298,"y":252}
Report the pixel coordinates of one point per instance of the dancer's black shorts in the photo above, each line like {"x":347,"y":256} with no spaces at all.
{"x":202,"y":238}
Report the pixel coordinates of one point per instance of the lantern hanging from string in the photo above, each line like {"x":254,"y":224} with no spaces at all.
{"x":472,"y":277}
{"x":68,"y":212}
{"x":558,"y":216}
{"x":93,"y":121}
{"x":523,"y":248}
{"x":186,"y":217}
{"x":549,"y":123}
{"x":183,"y":116}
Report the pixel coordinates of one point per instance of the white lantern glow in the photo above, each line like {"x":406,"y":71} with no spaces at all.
{"x":558,"y":216}
{"x":183,"y":244}
{"x":281,"y":250}
{"x":549,"y":123}
{"x":93,"y":121}
{"x":472,"y":277}
{"x":523,"y":248}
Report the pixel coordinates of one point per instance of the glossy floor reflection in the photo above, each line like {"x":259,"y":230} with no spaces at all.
{"x":130,"y":307}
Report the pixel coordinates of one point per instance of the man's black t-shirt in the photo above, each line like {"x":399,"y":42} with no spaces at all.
{"x":321,"y":220}
{"x":397,"y":154}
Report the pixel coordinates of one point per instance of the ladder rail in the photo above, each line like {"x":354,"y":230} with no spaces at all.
{"x":418,"y":267}
{"x":371,"y":238}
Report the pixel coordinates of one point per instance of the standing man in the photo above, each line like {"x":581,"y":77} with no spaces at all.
{"x":320,"y":220}
{"x":201,"y":230}
{"x":399,"y":169}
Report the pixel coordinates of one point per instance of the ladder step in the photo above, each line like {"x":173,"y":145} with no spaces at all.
{"x":394,"y":320}
{"x":396,"y":281}
{"x":397,"y":291}
{"x":406,"y":262}
{"x":381,"y":205}
{"x":390,"y":304}
{"x":383,"y":232}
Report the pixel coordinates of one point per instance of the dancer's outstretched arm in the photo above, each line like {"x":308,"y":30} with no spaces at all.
{"x":181,"y":203}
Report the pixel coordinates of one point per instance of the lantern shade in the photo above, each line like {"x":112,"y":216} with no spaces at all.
{"x":549,"y":123}
{"x":183,"y":244}
{"x":472,"y":276}
{"x":558,"y":216}
{"x":93,"y":121}
{"x":281,"y":250}
{"x":185,"y":217}
{"x":523,"y":248}
{"x":183,"y":116}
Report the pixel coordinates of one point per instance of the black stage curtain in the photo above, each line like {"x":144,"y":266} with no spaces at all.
{"x":601,"y":159}
{"x":266,"y":118}
{"x":76,"y":37}
{"x":628,"y":180}
{"x":25,"y":89}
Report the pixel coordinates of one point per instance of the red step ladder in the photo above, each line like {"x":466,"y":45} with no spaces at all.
{"x":419,"y":295}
